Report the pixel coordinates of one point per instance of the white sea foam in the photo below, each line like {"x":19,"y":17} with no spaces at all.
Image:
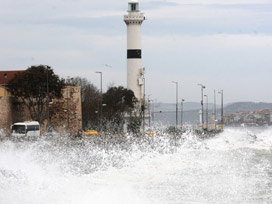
{"x":235,"y":138}
{"x":232,"y":167}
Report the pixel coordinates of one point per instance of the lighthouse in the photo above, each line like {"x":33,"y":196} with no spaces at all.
{"x":135,"y":72}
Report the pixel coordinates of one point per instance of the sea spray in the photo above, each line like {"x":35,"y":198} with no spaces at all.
{"x":231,"y":167}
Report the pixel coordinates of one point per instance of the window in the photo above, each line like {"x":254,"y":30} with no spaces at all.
{"x":18,"y":129}
{"x":133,"y":7}
{"x":33,"y":127}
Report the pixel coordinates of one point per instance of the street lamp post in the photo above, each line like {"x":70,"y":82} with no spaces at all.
{"x":47,"y":97}
{"x":100,"y":104}
{"x":214,"y":110}
{"x":143,"y":77}
{"x":202,"y":108}
{"x":222,"y":110}
{"x":149,"y":111}
{"x":68,"y":111}
{"x":176,"y":102}
{"x":143,"y":106}
{"x":207,"y":112}
{"x":181,"y":115}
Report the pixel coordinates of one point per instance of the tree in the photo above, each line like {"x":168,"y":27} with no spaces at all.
{"x":118,"y":101}
{"x":90,"y":96}
{"x":30,"y":88}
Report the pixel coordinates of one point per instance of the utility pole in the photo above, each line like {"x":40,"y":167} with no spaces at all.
{"x":176,"y":102}
{"x":149,"y":113}
{"x":68,"y":111}
{"x":222,"y":111}
{"x":202,"y":108}
{"x":152,"y":110}
{"x":181,"y":113}
{"x":215,"y":126}
{"x":100,"y":104}
{"x":207,"y":112}
{"x":143,"y":106}
{"x":47,"y":97}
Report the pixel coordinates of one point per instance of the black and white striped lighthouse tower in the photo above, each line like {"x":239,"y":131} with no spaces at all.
{"x":134,"y":20}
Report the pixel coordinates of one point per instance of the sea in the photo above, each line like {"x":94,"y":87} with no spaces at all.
{"x":233,"y":167}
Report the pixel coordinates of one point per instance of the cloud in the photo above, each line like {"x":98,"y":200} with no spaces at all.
{"x":199,"y":19}
{"x":223,"y":2}
{"x":219,"y":61}
{"x":224,"y":44}
{"x":149,"y":5}
{"x":207,"y":51}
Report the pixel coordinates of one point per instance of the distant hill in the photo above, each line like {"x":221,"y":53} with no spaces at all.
{"x":229,"y":108}
{"x":165,"y":113}
{"x":247,"y":106}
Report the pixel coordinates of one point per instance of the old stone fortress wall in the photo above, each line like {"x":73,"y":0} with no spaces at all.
{"x":66,"y":114}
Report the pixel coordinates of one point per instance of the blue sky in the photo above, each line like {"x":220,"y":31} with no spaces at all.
{"x":223,"y":44}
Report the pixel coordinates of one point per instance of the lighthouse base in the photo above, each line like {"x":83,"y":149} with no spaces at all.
{"x":137,"y":121}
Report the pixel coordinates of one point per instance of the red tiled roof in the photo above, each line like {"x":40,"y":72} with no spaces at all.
{"x":9,"y":76}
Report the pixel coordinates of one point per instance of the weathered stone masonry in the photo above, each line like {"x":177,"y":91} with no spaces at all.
{"x":65,"y":113}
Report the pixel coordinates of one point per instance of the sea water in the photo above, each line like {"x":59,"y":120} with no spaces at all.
{"x":233,"y":167}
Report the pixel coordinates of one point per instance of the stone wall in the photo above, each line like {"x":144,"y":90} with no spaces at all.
{"x":4,"y":91}
{"x":20,"y":112}
{"x":11,"y":113}
{"x":65,"y":113}
{"x":5,"y":112}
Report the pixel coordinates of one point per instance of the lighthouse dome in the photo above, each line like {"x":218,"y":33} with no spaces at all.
{"x":133,"y":6}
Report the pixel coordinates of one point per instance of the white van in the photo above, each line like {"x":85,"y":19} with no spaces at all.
{"x":29,"y":128}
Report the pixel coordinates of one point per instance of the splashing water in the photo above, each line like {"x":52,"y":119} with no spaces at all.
{"x":232,"y":167}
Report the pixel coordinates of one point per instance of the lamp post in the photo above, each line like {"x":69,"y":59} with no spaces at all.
{"x":214,"y":117}
{"x":143,"y":103}
{"x":5,"y":83}
{"x":149,"y":111}
{"x":100,"y":104}
{"x":68,"y":110}
{"x":202,"y":108}
{"x":143,"y":77}
{"x":176,"y":102}
{"x":181,"y":116}
{"x":144,"y":106}
{"x":47,"y":96}
{"x":222,"y":111}
{"x":207,"y":112}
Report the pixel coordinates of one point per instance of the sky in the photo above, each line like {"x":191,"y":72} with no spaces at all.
{"x":222,"y":44}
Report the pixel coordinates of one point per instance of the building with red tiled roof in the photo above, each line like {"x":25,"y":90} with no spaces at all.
{"x":6,"y":76}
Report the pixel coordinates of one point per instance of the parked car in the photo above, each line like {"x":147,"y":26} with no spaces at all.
{"x":90,"y":132}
